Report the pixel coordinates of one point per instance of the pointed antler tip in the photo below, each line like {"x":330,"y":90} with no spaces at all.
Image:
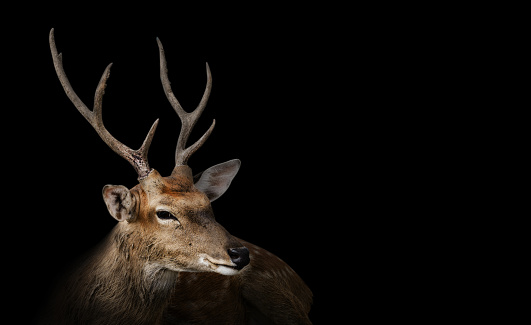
{"x":107,"y":71}
{"x":155,"y":124}
{"x":51,"y":36}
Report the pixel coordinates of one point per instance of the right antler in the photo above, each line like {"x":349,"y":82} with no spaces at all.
{"x":137,"y":158}
{"x":182,"y":154}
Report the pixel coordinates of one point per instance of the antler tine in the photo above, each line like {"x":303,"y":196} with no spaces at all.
{"x":188,"y":120}
{"x":137,"y":158}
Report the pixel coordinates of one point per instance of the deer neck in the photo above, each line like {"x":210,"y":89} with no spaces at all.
{"x":120,"y":284}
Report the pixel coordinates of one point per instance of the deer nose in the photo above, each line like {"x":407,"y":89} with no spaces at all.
{"x":239,"y":256}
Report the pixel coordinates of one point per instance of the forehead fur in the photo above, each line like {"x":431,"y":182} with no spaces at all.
{"x":165,"y":190}
{"x":154,"y":183}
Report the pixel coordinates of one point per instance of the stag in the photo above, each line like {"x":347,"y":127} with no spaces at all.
{"x":167,"y":260}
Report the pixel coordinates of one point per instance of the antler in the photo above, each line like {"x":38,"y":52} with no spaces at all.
{"x":137,"y":158}
{"x":182,"y":154}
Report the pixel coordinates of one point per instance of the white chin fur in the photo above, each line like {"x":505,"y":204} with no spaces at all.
{"x":225,"y":270}
{"x":218,"y":268}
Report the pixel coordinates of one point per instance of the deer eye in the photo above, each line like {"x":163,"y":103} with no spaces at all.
{"x":165,"y":215}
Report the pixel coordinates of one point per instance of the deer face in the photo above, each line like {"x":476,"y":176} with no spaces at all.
{"x":172,"y":223}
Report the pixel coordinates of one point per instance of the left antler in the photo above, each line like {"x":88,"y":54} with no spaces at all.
{"x":137,"y":158}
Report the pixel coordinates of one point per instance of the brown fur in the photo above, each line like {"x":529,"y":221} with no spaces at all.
{"x":112,"y":287}
{"x":145,"y":272}
{"x":267,"y":291}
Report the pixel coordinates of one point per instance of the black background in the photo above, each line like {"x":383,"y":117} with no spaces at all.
{"x":348,"y":122}
{"x":280,"y":97}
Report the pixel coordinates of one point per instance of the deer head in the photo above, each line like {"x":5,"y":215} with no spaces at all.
{"x":168,"y":219}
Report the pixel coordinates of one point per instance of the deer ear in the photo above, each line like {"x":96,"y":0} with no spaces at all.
{"x":120,"y":202}
{"x":216,"y":180}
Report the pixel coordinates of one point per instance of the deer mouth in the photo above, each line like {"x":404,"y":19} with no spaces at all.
{"x":218,"y":266}
{"x":225,"y":269}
